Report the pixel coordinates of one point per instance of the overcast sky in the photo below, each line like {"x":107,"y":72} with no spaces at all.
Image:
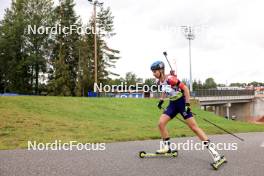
{"x":228,"y":45}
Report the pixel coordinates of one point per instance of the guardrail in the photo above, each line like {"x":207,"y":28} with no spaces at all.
{"x":221,"y":93}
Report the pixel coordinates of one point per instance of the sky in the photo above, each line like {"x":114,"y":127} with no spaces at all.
{"x":228,"y":44}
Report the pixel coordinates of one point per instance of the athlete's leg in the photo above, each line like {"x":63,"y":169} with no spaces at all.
{"x":202,"y":136}
{"x":164,"y":119}
{"x":191,"y":122}
{"x":165,"y":143}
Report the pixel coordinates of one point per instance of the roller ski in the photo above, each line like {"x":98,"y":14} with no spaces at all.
{"x":218,"y":160}
{"x":172,"y":153}
{"x":163,"y":151}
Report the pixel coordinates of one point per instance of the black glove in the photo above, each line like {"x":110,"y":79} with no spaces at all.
{"x":160,"y":104}
{"x":187,"y":107}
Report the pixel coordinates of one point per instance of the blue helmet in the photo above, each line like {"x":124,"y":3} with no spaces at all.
{"x":157,"y":65}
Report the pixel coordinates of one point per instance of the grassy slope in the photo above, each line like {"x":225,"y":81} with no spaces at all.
{"x":46,"y":119}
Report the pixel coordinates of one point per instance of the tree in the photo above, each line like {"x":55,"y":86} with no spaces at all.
{"x":195,"y":85}
{"x":23,"y":54}
{"x":3,"y":62}
{"x":200,"y":84}
{"x":210,"y":83}
{"x":116,"y":81}
{"x":84,"y":80}
{"x":132,"y":79}
{"x":106,"y":56}
{"x":256,"y":84}
{"x":221,"y":85}
{"x":65,"y":56}
{"x":15,"y":75}
{"x":150,"y":81}
{"x":37,"y":14}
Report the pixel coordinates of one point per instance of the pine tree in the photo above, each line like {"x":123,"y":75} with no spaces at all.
{"x":15,"y":75}
{"x":106,"y":56}
{"x":68,"y":58}
{"x":38,"y":14}
{"x":65,"y":58}
{"x":23,"y":54}
{"x":84,"y":77}
{"x":195,"y":85}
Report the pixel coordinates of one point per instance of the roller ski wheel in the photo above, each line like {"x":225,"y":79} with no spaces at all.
{"x":219,"y":163}
{"x":143,"y":154}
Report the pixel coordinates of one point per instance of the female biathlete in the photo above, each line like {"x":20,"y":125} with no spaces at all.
{"x":179,"y":97}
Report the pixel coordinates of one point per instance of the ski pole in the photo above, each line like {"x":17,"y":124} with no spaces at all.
{"x":165,"y":54}
{"x":220,"y":128}
{"x":211,"y":124}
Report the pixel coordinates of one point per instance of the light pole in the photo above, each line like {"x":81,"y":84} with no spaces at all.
{"x":95,"y":3}
{"x":188,"y":32}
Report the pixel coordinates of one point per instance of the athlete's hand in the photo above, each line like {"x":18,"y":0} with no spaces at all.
{"x":160,"y":104}
{"x":187,"y":107}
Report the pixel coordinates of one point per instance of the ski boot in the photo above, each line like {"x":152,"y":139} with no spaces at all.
{"x":163,"y":151}
{"x":218,"y":163}
{"x":218,"y":160}
{"x":164,"y":148}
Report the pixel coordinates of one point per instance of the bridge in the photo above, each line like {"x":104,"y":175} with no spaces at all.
{"x":234,"y":104}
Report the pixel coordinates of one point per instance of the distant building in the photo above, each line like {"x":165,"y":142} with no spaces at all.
{"x":259,"y":91}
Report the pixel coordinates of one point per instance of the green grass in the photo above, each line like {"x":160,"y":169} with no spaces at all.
{"x":86,"y":120}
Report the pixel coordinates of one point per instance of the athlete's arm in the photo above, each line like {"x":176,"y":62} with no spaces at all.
{"x":186,"y":92}
{"x":163,"y":96}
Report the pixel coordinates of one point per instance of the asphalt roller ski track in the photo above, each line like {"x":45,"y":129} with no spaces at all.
{"x":122,"y":159}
